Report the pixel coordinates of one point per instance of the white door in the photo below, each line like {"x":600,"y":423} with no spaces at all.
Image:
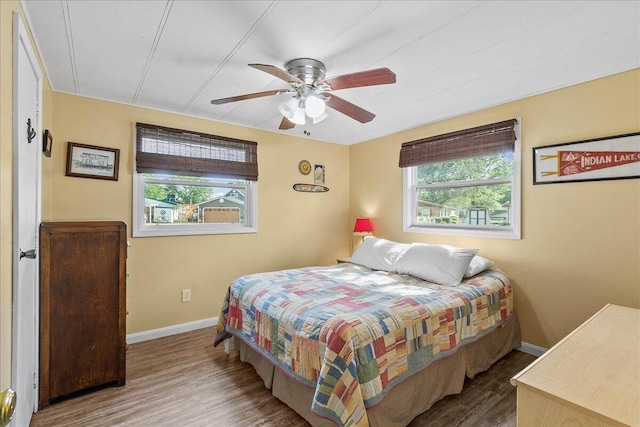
{"x":27,"y":151}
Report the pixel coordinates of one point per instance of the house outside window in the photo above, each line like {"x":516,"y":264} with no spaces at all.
{"x":464,"y":183}
{"x":192,"y":183}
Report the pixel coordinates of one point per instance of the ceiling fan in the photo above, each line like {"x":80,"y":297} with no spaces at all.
{"x":311,"y":91}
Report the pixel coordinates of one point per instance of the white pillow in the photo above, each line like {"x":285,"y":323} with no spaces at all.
{"x":378,"y":254}
{"x":477,"y":265}
{"x":444,"y":265}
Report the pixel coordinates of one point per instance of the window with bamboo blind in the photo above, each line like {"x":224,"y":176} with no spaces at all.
{"x":465,"y":182}
{"x":180,"y":175}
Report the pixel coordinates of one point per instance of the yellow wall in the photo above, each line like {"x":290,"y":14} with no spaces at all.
{"x":7,"y":8}
{"x":294,"y":229}
{"x":580,"y":246}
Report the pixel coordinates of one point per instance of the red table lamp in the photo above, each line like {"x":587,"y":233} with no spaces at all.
{"x":363,"y":227}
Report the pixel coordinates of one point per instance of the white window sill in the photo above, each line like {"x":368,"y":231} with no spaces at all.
{"x":191,"y":230}
{"x":507,"y":233}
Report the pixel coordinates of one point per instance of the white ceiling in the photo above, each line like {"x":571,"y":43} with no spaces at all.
{"x":450,"y":57}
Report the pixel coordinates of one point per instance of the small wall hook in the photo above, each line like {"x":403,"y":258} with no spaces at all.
{"x":31,"y":132}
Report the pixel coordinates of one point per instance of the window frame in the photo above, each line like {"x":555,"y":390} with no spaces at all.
{"x":141,"y":229}
{"x":410,"y":191}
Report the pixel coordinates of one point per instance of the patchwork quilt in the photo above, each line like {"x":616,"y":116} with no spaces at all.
{"x":352,"y":333}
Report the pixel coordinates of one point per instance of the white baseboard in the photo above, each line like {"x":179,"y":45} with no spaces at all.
{"x":532,"y":349}
{"x":171,"y":330}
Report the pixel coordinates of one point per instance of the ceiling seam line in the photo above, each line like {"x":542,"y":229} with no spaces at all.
{"x":154,"y":47}
{"x":348,"y":27}
{"x":454,"y":63}
{"x":72,"y":51}
{"x":427,"y":34}
{"x":484,"y":76}
{"x":230,"y":55}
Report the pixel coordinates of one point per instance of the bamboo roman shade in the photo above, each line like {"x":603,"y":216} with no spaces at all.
{"x":479,"y":141}
{"x":180,"y":152}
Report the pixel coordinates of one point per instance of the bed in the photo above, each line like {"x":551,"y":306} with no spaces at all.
{"x":349,"y":345}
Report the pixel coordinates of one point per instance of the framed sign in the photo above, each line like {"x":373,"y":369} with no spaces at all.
{"x":614,"y":157}
{"x":47,"y":143}
{"x":318,"y":174}
{"x":88,"y":161}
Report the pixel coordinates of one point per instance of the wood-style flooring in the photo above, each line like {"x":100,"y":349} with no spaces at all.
{"x":182,"y":380}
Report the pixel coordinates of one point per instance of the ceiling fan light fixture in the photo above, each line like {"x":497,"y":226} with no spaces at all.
{"x":288,"y":108}
{"x":314,"y":106}
{"x":306,"y":78}
{"x":298,"y":116}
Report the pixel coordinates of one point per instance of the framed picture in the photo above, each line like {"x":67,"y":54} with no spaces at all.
{"x":47,"y":143}
{"x":614,"y":157}
{"x":88,"y":161}
{"x":318,"y":174}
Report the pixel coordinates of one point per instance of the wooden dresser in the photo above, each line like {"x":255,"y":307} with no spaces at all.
{"x":82,"y":306}
{"x":590,"y":378}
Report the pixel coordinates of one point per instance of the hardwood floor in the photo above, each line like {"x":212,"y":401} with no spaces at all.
{"x":183,"y":380}
{"x":488,"y":400}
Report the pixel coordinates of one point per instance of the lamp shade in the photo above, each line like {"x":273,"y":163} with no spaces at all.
{"x":363,"y":225}
{"x":288,"y":108}
{"x":314,"y":106}
{"x":298,"y":116}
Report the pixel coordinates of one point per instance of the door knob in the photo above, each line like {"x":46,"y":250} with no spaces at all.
{"x":7,"y":406}
{"x":31,"y":254}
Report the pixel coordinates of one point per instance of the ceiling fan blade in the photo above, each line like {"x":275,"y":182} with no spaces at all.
{"x":349,"y":109}
{"x":379,"y":76}
{"x":286,"y":124}
{"x":277,"y":72}
{"x":247,"y":96}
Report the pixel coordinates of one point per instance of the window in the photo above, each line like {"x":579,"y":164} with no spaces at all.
{"x":193,"y":183}
{"x":464,"y":183}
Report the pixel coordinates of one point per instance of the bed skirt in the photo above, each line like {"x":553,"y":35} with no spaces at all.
{"x":405,"y":400}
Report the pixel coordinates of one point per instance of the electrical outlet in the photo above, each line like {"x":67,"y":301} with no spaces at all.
{"x":186,"y":295}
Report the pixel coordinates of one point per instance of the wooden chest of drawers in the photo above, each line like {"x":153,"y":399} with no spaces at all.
{"x":82,"y":306}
